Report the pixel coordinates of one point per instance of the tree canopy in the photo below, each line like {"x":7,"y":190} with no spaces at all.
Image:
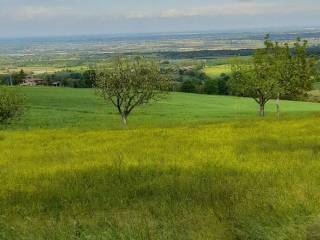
{"x":11,"y":104}
{"x":275,"y":71}
{"x":130,"y":83}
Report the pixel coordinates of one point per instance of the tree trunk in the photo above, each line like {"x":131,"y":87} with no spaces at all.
{"x":261,"y":112}
{"x":124,"y":119}
{"x":278,"y":105}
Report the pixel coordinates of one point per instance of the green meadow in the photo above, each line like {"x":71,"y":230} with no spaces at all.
{"x":55,"y":108}
{"x":188,"y":167}
{"x":216,"y":70}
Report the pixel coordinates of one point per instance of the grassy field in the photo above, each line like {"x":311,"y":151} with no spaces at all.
{"x":188,"y":167}
{"x":253,"y":179}
{"x":81,"y":108}
{"x":215,"y":71}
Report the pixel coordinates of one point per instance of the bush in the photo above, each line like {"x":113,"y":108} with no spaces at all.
{"x":211,"y":86}
{"x":188,"y":87}
{"x":223,"y":88}
{"x":11,"y":104}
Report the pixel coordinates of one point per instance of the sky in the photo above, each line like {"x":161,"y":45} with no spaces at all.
{"x":23,"y":18}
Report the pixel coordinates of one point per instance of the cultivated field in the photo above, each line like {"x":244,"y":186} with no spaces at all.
{"x":41,"y":69}
{"x":216,"y":71}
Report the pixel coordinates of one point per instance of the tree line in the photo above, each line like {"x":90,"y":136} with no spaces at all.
{"x":65,"y":78}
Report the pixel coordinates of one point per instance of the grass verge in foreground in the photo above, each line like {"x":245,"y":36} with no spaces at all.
{"x":242,"y":180}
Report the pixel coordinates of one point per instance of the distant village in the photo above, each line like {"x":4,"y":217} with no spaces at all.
{"x":31,"y":80}
{"x":65,"y":78}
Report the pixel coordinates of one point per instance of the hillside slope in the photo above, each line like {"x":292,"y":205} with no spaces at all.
{"x":250,"y":179}
{"x":81,"y":108}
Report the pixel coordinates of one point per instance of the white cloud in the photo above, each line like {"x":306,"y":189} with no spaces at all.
{"x":39,"y":12}
{"x":240,"y":8}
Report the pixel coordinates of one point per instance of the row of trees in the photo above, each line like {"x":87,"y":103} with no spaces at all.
{"x":15,"y":78}
{"x":85,"y":79}
{"x":72,"y":79}
{"x":216,"y":86}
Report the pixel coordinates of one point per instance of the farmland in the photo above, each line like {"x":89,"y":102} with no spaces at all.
{"x":42,"y":69}
{"x":215,"y":71}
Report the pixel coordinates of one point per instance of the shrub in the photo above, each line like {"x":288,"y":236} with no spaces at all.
{"x":211,"y":86}
{"x":11,"y":104}
{"x":188,"y":87}
{"x":223,"y":88}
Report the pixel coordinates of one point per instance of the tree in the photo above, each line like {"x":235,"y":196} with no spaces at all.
{"x":18,"y":77}
{"x":275,"y":72}
{"x":211,"y":86}
{"x":130,"y":83}
{"x":223,"y":88}
{"x":11,"y":104}
{"x":188,"y":87}
{"x":303,"y":72}
{"x":257,"y":80}
{"x":296,"y":70}
{"x":89,"y":77}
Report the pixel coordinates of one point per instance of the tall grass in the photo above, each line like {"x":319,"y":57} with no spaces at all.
{"x":250,"y":179}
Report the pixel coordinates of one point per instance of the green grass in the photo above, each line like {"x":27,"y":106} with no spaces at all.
{"x":216,"y":71}
{"x":81,"y":108}
{"x":189,"y":167}
{"x":245,"y":180}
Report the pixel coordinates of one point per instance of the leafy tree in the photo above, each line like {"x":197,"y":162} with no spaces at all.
{"x":256,"y":80}
{"x":276,"y":71}
{"x":202,"y":76}
{"x":188,"y":87}
{"x":223,"y":88}
{"x":295,"y":69}
{"x":18,"y":77}
{"x":211,"y":86}
{"x":11,"y":104}
{"x":303,"y":72}
{"x":130,"y":83}
{"x":4,"y":79}
{"x":75,"y":75}
{"x":89,"y":77}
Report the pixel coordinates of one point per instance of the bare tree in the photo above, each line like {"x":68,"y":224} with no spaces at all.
{"x":130,"y":83}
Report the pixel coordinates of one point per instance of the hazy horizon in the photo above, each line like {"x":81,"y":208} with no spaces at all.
{"x":30,"y":18}
{"x":261,"y":31}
